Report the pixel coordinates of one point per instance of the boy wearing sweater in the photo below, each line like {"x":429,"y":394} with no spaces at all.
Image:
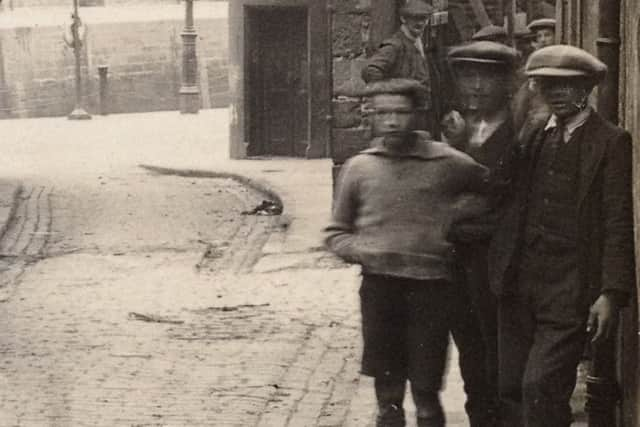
{"x":394,"y":209}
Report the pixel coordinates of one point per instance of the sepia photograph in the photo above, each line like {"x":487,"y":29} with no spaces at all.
{"x":319,"y":213}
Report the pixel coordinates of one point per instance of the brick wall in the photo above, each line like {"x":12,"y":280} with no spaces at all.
{"x":144,"y":59}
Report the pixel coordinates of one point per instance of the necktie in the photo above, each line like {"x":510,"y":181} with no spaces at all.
{"x":556,"y":136}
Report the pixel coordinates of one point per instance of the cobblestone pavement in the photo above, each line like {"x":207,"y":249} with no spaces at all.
{"x":129,"y":298}
{"x":133,"y":305}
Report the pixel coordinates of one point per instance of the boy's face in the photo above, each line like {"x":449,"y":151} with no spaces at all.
{"x":393,"y":116}
{"x":545,"y":37}
{"x":566,"y":96}
{"x":483,"y":87}
{"x":415,"y":24}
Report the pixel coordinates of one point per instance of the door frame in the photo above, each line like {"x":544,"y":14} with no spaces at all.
{"x":319,"y":78}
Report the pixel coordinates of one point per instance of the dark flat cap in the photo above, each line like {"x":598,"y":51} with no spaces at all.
{"x":542,"y":23}
{"x":416,"y":8}
{"x":490,"y":33}
{"x":564,"y":61}
{"x":486,"y":52}
{"x":408,"y":87}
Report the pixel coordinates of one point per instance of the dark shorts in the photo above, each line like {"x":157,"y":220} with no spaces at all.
{"x":405,"y":326}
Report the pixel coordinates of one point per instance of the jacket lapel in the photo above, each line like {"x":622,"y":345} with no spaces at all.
{"x":592,"y":149}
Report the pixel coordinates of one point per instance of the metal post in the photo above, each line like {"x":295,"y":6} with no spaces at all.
{"x":104,"y":100}
{"x":78,"y":112}
{"x":189,"y":92}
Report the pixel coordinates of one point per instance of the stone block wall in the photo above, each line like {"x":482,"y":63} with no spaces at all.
{"x":144,"y":60}
{"x":351,"y":21}
{"x":68,"y":3}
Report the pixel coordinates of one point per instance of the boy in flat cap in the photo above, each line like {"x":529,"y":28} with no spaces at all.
{"x":563,"y":259}
{"x":545,"y":32}
{"x":483,"y":73}
{"x":527,"y":102}
{"x":403,"y":55}
{"x":393,"y":211}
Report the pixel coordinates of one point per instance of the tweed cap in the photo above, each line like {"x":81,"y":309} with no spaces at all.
{"x":490,"y":33}
{"x":564,"y":61}
{"x":537,"y":24}
{"x":416,"y":8}
{"x":485,"y":52}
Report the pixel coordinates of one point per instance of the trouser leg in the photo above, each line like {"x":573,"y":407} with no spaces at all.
{"x":550,"y":376}
{"x":390,"y":396}
{"x":515,"y":338}
{"x":473,"y":360}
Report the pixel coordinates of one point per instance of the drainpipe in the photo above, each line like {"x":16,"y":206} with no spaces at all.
{"x":608,"y":44}
{"x":603,"y":390}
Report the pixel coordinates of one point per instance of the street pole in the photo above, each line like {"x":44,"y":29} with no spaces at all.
{"x":189,"y":92}
{"x":78,"y":112}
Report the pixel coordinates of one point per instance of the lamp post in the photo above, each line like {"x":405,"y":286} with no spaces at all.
{"x":189,"y":92}
{"x":78,"y":112}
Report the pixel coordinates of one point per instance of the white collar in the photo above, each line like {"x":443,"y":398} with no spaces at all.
{"x":571,"y":125}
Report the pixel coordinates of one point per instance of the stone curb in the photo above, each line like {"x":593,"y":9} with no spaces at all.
{"x":261,"y":186}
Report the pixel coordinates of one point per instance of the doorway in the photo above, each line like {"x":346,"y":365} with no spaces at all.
{"x":277,"y":87}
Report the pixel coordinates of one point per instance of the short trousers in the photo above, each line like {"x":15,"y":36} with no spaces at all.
{"x":405,"y":328}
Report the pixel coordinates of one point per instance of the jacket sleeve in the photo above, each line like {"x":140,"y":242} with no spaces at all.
{"x":381,"y":63}
{"x":618,"y":259}
{"x":340,"y":233}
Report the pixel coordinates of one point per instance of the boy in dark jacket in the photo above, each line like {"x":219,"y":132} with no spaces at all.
{"x":404,"y":56}
{"x":562,"y":261}
{"x":395,"y":206}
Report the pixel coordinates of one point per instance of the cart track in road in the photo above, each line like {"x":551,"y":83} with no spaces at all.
{"x":25,"y":239}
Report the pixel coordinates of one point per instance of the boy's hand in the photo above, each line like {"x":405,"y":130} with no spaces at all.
{"x":454,"y":128}
{"x":603,"y":316}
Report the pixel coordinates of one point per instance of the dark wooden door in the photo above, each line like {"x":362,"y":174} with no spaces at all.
{"x":278,"y":81}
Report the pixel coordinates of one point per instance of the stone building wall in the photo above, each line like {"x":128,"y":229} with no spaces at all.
{"x":351,"y":25}
{"x":144,"y":60}
{"x":67,"y":3}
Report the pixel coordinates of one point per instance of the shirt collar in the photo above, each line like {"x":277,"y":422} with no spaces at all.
{"x":571,"y":125}
{"x":423,"y":148}
{"x":417,"y":41}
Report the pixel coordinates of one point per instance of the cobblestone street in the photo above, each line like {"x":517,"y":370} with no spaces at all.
{"x":143,"y":297}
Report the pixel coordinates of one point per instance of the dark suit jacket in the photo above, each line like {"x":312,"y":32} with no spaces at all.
{"x":397,"y":57}
{"x":605,"y":210}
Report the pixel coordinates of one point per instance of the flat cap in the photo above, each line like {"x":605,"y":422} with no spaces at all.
{"x":486,"y":52}
{"x":564,"y":61}
{"x":408,"y":87}
{"x":416,"y":8}
{"x":542,"y":23}
{"x":492,"y":33}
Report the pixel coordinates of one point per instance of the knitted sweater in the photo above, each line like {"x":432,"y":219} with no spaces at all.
{"x":393,"y":212}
